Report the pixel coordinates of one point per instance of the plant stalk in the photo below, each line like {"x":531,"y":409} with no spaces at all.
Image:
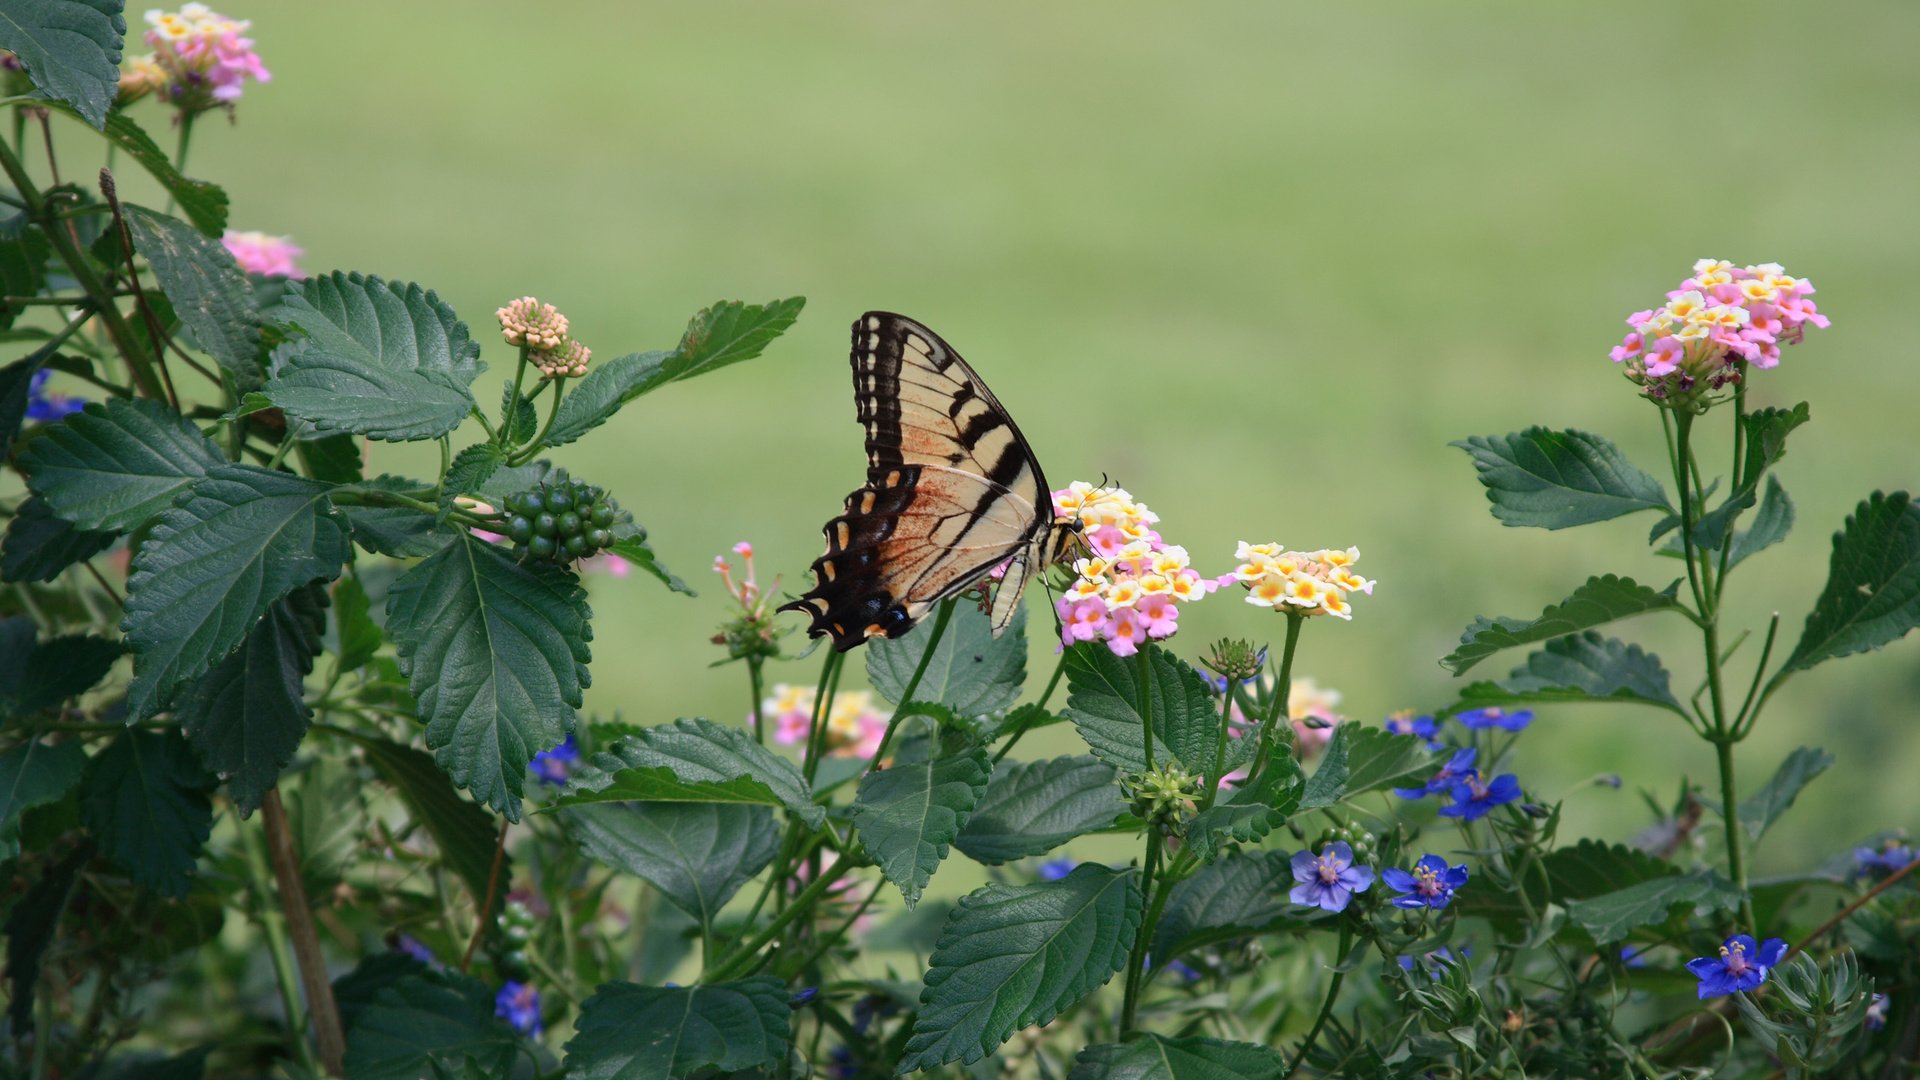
{"x":273,"y":924}
{"x":327,"y":1032}
{"x":1326,"y":1007}
{"x":1137,"y":958}
{"x":1282,"y":691}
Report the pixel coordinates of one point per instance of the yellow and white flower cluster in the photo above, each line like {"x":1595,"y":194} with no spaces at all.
{"x":1128,"y":590}
{"x":1303,"y":582}
{"x":854,"y":724}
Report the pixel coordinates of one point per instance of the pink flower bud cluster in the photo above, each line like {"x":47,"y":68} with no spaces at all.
{"x":543,"y":330}
{"x":268,"y":256}
{"x":1131,"y":588}
{"x":1717,"y":322}
{"x":201,"y":59}
{"x":854,"y":726}
{"x":1301,"y":582}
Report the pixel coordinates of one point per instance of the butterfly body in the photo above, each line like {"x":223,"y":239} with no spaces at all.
{"x":952,"y":491}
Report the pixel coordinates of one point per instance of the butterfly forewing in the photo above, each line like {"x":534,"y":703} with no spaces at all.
{"x":952,"y":488}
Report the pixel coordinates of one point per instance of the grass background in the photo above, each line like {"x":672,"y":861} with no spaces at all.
{"x":1257,"y":262}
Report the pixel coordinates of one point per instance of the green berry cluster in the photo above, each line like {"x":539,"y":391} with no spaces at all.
{"x":1360,"y":840}
{"x":562,"y":520}
{"x":508,"y":947}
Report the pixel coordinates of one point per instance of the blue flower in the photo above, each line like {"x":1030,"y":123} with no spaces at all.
{"x":1186,"y":973}
{"x":410,"y":945}
{"x":556,"y":765}
{"x":1890,"y":856}
{"x":1494,"y":716}
{"x":1405,"y":723}
{"x":1430,"y":885}
{"x":1473,"y":798}
{"x":1329,"y":880}
{"x":1877,"y":1012}
{"x":1633,"y":957}
{"x":802,"y":997}
{"x":1055,"y":869}
{"x":47,"y":407}
{"x":1435,"y":959}
{"x":519,"y":1005}
{"x":841,"y":1064}
{"x":1456,"y":769}
{"x":1741,"y":965}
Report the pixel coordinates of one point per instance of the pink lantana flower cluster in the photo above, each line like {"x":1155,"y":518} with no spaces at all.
{"x":201,"y":60}
{"x":854,"y":725}
{"x":1717,"y":322}
{"x":1132,"y":587}
{"x":265,"y":255}
{"x":1301,"y":582}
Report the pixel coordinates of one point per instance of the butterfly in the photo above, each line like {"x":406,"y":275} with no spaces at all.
{"x":953,"y":490}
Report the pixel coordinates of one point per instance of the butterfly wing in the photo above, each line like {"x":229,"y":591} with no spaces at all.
{"x":952,"y":489}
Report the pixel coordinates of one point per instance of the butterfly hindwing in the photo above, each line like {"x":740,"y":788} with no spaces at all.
{"x":952,"y":488}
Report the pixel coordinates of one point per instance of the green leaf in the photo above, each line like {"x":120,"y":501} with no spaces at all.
{"x":209,"y":293}
{"x":1873,"y":584}
{"x":39,"y":546}
{"x":113,"y":466}
{"x":1233,"y":897}
{"x":1587,"y":869}
{"x":203,"y":203}
{"x":435,"y":1018}
{"x":1766,"y":442}
{"x":384,"y":360}
{"x":1249,"y":812}
{"x":24,"y":252}
{"x":1559,"y":479}
{"x":398,"y":531}
{"x":1103,"y":694}
{"x":1771,"y":524}
{"x":629,"y":1032}
{"x":496,"y":654}
{"x":31,"y":927}
{"x":692,"y":760}
{"x":909,"y":813}
{"x":697,"y":854}
{"x":70,"y":48}
{"x":518,"y":418}
{"x":726,"y":333}
{"x":1376,"y":758}
{"x":1012,"y":956}
{"x":334,"y":459}
{"x":58,"y":670}
{"x":1764,"y":807}
{"x":145,"y":802}
{"x":464,"y":833}
{"x":971,"y":672}
{"x":246,"y":717}
{"x":470,"y":469}
{"x":1032,"y":807}
{"x":359,"y":636}
{"x":1156,"y":1057}
{"x":1575,"y":668}
{"x":633,"y":548}
{"x":34,"y":774}
{"x":1601,"y":600}
{"x":1711,"y":530}
{"x":213,"y":565}
{"x":1609,"y":917}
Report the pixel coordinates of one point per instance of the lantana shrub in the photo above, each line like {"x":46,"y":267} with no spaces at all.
{"x":293,"y":780}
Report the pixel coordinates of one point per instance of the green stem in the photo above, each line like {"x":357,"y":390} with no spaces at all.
{"x":745,"y":959}
{"x":1137,"y":958}
{"x":1219,"y":771}
{"x":532,"y":449}
{"x":1326,"y":1007}
{"x":753,"y":680}
{"x":940,"y":619}
{"x":273,"y":924}
{"x":1736,"y":832}
{"x":1143,"y":675}
{"x":1282,"y":690}
{"x":180,"y":152}
{"x":513,"y":402}
{"x":1059,"y":667}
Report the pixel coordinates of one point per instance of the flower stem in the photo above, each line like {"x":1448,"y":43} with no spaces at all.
{"x":1326,"y":1007}
{"x":744,"y":959}
{"x":1046,"y":695}
{"x":532,"y":449}
{"x":180,"y":153}
{"x":1218,"y":774}
{"x":1282,"y":691}
{"x":940,"y":620}
{"x":274,"y":925}
{"x":328,"y":1035}
{"x":753,"y":681}
{"x":1143,"y":674}
{"x":1137,"y":958}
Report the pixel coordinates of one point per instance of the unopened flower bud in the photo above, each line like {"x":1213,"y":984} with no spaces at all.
{"x":529,"y":322}
{"x":569,"y":361}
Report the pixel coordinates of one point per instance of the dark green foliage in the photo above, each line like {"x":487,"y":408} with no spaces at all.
{"x":628,"y":1032}
{"x":145,"y":801}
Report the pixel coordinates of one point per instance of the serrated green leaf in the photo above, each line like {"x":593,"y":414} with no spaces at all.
{"x":246,"y":717}
{"x":1236,"y":896}
{"x":1771,"y":524}
{"x":470,"y":469}
{"x":34,"y":774}
{"x":145,"y":801}
{"x":1559,"y":479}
{"x":971,"y":672}
{"x":57,"y":670}
{"x":1377,"y":758}
{"x":212,"y":566}
{"x":518,"y":418}
{"x":1766,"y":441}
{"x":629,"y":1032}
{"x":697,"y":854}
{"x":113,"y":466}
{"x":726,"y":333}
{"x":1609,"y":917}
{"x":634,"y":550}
{"x":1249,"y":812}
{"x":1764,"y":807}
{"x":1156,"y":1057}
{"x":464,"y":833}
{"x":1873,"y":584}
{"x":1587,"y":869}
{"x":359,"y":636}
{"x":209,"y":293}
{"x":910,"y":812}
{"x":31,"y":927}
{"x":24,"y":252}
{"x":436,"y":1016}
{"x":384,"y":360}
{"x":1711,"y":530}
{"x":1012,"y":956}
{"x":39,"y":546}
{"x":1601,"y":600}
{"x":70,"y":49}
{"x":1103,"y":695}
{"x":1032,"y":807}
{"x":1578,"y":667}
{"x":334,"y":458}
{"x":327,"y":815}
{"x":692,"y":760}
{"x":496,"y":654}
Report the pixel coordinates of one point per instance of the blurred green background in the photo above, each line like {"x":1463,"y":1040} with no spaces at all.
{"x":1257,"y":262}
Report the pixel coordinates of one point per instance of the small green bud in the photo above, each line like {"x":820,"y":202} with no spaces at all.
{"x":568,"y":523}
{"x":541,"y":547}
